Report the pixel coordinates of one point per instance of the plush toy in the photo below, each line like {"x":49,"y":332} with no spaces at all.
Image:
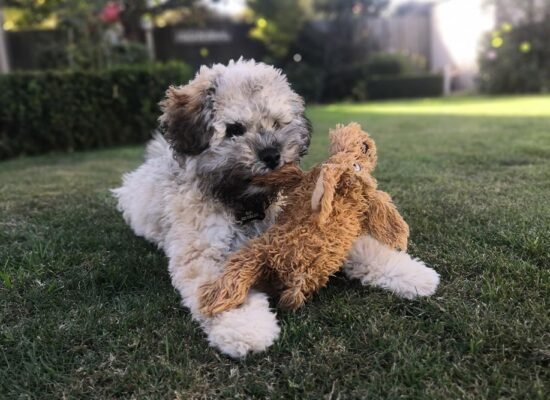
{"x":326,"y":209}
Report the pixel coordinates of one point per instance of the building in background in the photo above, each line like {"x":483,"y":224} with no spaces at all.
{"x":446,"y":33}
{"x":457,"y":27}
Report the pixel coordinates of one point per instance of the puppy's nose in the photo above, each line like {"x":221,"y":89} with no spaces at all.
{"x":270,"y":157}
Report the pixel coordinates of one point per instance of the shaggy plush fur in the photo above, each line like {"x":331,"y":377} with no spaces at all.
{"x":298,"y":254}
{"x":194,"y":197}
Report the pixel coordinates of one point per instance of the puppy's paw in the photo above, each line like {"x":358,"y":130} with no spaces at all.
{"x":409,"y":278}
{"x":417,"y":281}
{"x":250,"y":328}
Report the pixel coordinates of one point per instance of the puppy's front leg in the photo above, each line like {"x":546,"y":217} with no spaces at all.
{"x":376,"y":264}
{"x":252,"y":327}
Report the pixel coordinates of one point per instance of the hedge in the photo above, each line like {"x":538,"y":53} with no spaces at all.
{"x":403,"y":86}
{"x":359,"y":83}
{"x":66,"y":111}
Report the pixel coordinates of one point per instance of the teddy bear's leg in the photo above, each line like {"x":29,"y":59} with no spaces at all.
{"x":231,"y":288}
{"x":376,"y":264}
{"x":384,"y":223}
{"x":250,"y":328}
{"x":301,"y":285}
{"x":292,"y":298}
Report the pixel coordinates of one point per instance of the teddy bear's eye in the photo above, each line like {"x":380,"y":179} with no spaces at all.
{"x":356,"y":167}
{"x":235,"y":129}
{"x":365,"y":147}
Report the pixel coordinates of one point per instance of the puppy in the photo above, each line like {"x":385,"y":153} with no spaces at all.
{"x":195,"y":198}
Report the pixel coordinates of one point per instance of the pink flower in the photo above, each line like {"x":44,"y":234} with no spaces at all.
{"x":110,"y":13}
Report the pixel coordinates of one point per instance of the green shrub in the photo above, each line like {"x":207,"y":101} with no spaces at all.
{"x":404,"y":86}
{"x":306,"y":80}
{"x":516,"y":59}
{"x":66,"y":111}
{"x":339,"y":84}
{"x":395,"y":64}
{"x":349,"y":82}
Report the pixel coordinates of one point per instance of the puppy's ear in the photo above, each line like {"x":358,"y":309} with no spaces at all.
{"x":306,"y":134}
{"x":187,"y":114}
{"x":325,"y":188}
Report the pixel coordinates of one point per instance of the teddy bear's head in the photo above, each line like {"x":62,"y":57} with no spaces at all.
{"x":351,"y":141}
{"x":347,"y":172}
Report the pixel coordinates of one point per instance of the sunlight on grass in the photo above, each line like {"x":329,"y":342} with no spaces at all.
{"x":88,"y":309}
{"x":528,"y":106}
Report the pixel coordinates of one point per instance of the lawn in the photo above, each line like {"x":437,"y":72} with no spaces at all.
{"x":87,"y":309}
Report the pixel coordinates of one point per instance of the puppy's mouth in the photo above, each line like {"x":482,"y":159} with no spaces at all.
{"x":261,"y":168}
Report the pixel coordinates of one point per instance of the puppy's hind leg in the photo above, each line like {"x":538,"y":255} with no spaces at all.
{"x":376,"y":264}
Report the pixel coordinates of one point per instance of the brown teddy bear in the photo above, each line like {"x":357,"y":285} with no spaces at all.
{"x":326,"y":209}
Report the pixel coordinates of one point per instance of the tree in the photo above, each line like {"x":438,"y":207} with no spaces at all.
{"x":77,"y":11}
{"x":515,"y":58}
{"x":336,"y":45}
{"x":4,"y":62}
{"x":278,"y":22}
{"x":347,"y":30}
{"x":93,"y":42}
{"x":521,"y":12}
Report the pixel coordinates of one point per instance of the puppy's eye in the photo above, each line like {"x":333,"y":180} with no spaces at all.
{"x":235,"y":129}
{"x":276,"y":125}
{"x":356,"y":167}
{"x":365,"y":147}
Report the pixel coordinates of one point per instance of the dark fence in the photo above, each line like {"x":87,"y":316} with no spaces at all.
{"x":219,"y":42}
{"x":36,"y":49}
{"x":402,"y":87}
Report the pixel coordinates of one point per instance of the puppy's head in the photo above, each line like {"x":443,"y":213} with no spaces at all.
{"x":238,"y":121}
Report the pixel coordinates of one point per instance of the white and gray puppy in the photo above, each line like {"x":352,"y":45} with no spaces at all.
{"x":193,"y":196}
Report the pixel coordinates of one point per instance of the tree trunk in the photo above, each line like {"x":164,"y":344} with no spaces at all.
{"x":4,"y":62}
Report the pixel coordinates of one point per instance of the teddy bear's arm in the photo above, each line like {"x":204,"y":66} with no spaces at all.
{"x":285,"y":178}
{"x":383,"y":221}
{"x":241,"y":272}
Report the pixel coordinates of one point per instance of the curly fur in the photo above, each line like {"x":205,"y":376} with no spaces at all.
{"x":195,"y":198}
{"x":308,"y":244}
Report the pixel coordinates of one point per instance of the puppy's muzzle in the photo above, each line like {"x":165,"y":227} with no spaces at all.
{"x":270,"y":156}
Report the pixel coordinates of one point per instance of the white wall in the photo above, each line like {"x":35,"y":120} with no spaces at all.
{"x":406,"y":34}
{"x":456,"y":30}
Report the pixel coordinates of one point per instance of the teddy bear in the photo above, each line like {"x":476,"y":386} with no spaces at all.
{"x":325,"y":210}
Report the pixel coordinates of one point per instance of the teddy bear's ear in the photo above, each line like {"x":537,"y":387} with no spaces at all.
{"x":323,"y":194}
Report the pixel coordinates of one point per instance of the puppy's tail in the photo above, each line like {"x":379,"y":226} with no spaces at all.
{"x":157,"y":147}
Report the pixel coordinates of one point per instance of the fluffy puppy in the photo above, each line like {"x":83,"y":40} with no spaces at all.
{"x":194,"y":196}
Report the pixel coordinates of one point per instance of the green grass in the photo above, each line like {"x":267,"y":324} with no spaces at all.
{"x":87,"y":309}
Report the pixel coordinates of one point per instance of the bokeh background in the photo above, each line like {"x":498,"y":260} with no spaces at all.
{"x":331,"y":50}
{"x":455,"y":93}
